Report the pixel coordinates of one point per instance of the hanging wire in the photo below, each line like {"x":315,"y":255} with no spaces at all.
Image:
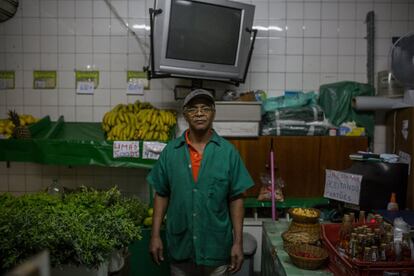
{"x":141,"y":43}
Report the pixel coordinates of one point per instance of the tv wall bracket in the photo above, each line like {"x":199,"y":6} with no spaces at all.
{"x":152,"y":74}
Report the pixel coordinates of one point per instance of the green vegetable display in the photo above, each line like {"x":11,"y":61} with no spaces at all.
{"x":78,"y":228}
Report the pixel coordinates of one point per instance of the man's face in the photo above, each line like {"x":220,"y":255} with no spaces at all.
{"x":199,"y":114}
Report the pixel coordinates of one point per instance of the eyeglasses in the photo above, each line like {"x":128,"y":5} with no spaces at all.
{"x":194,"y":110}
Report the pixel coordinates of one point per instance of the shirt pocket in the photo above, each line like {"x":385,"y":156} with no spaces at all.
{"x":218,"y":244}
{"x":218,"y":192}
{"x":179,"y":238}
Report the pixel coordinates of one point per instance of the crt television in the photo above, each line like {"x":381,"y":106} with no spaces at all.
{"x":203,"y":39}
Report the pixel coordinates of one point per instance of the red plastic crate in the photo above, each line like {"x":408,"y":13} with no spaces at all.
{"x":341,"y":265}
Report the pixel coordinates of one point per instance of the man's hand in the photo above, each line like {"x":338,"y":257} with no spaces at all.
{"x":236,"y":258}
{"x":156,"y":250}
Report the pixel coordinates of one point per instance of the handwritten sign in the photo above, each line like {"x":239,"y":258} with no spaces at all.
{"x":152,"y":150}
{"x":342,"y":186}
{"x":126,"y":149}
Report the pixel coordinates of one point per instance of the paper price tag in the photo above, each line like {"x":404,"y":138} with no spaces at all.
{"x":135,"y":87}
{"x":39,"y":84}
{"x":3,"y":84}
{"x":126,"y":149}
{"x":152,"y":150}
{"x":85,"y":87}
{"x":342,"y":186}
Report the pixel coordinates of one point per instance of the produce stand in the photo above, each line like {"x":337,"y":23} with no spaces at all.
{"x":68,"y":143}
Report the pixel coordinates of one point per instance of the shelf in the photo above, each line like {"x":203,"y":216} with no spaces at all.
{"x":68,"y":143}
{"x":251,"y":202}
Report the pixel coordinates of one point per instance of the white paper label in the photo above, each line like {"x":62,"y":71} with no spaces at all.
{"x":126,"y":149}
{"x":136,"y":87}
{"x":40,"y":84}
{"x":152,"y":150}
{"x":342,"y":186}
{"x":6,"y":83}
{"x":85,"y":87}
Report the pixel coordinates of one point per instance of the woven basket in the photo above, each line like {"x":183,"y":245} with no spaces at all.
{"x":298,"y":238}
{"x":321,"y":255}
{"x":305,"y":219}
{"x":313,"y":229}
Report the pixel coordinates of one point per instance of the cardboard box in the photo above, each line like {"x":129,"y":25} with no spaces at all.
{"x":400,"y":140}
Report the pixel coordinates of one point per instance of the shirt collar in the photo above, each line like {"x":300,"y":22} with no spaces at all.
{"x":180,"y":141}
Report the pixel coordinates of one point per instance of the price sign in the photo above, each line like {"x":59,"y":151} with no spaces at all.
{"x":152,"y":150}
{"x":44,"y":79}
{"x":137,"y":82}
{"x":126,"y":149}
{"x":135,"y":87}
{"x":7,"y":79}
{"x":86,"y":79}
{"x":85,"y":87}
{"x":342,"y":186}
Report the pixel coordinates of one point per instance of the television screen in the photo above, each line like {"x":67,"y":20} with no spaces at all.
{"x":203,"y":32}
{"x":203,"y":39}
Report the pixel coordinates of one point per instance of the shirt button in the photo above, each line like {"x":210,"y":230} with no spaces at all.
{"x":189,"y":166}
{"x":195,"y":237}
{"x":194,"y":190}
{"x":194,"y":214}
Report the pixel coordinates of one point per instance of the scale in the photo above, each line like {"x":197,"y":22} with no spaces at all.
{"x":402,"y":66}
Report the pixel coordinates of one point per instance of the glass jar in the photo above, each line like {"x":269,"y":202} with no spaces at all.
{"x":345,"y":232}
{"x":367,"y":254}
{"x":382,"y":252}
{"x":390,"y":249}
{"x":374,"y":253}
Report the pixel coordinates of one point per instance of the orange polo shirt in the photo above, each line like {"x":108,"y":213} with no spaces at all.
{"x":195,"y":157}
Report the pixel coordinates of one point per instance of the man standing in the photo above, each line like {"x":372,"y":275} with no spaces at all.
{"x":199,"y":180}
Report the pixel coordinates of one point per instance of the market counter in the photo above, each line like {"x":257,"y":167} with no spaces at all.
{"x":275,"y":261}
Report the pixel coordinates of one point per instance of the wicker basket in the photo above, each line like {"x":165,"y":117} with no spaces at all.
{"x":305,"y":219}
{"x":313,"y":229}
{"x":321,"y":255}
{"x":298,"y":238}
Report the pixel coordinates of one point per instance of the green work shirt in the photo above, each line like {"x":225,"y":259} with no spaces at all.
{"x":199,"y":226}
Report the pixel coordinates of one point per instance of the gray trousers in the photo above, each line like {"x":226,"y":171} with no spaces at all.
{"x":191,"y":269}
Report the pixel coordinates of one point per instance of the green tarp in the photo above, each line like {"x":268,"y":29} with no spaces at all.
{"x":67,"y":143}
{"x":336,"y":101}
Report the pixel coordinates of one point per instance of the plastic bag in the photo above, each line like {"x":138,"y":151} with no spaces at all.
{"x":301,"y":99}
{"x":296,"y":128}
{"x":265,"y":192}
{"x":336,"y":101}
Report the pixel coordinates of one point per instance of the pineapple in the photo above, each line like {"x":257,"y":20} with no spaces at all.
{"x":19,"y":132}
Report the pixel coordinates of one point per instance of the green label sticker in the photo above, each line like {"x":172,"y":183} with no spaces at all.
{"x":7,"y":79}
{"x":137,"y":82}
{"x":87,"y":76}
{"x":44,"y":79}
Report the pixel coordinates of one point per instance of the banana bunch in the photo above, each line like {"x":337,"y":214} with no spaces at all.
{"x":7,"y":126}
{"x":138,"y":121}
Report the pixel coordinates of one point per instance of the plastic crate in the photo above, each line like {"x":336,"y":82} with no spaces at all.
{"x":341,"y":265}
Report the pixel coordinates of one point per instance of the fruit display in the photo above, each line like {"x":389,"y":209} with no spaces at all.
{"x":138,"y":121}
{"x":16,"y":125}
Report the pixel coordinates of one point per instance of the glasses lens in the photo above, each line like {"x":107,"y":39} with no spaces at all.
{"x":202,"y":110}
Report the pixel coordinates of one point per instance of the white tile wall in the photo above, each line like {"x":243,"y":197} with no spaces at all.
{"x":301,"y":44}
